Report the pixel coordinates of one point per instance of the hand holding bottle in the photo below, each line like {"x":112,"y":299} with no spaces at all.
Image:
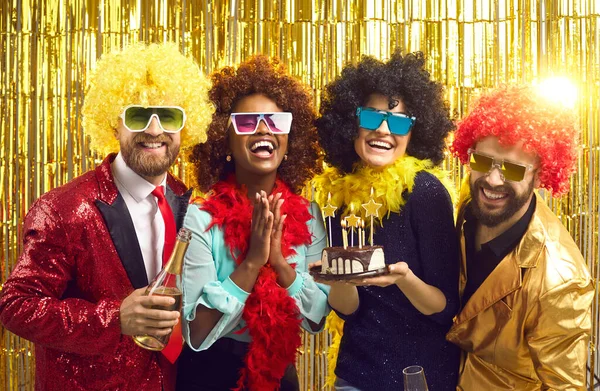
{"x":150,"y":311}
{"x":141,"y":314}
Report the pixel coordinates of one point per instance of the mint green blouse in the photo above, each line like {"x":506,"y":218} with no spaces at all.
{"x":208,"y":265}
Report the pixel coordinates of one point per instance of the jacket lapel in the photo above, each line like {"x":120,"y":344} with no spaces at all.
{"x":503,"y":280}
{"x":120,"y":225}
{"x":507,"y":277}
{"x":462,"y":279}
{"x":122,"y":232}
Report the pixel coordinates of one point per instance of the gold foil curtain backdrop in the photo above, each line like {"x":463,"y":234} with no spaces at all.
{"x":49,"y":47}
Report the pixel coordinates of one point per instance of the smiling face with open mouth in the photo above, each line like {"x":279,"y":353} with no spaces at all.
{"x":380,"y":148}
{"x":262,"y":152}
{"x":149,"y":153}
{"x":496,"y":201}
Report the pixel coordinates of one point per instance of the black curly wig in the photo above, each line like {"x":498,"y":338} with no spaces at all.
{"x":402,"y":77}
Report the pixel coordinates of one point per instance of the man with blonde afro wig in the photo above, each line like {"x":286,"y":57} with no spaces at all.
{"x":92,"y":245}
{"x":525,"y":288}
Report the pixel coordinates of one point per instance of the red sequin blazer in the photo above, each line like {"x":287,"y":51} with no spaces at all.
{"x":80,"y":259}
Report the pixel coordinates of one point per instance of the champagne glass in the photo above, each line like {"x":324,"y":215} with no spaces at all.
{"x":414,"y":379}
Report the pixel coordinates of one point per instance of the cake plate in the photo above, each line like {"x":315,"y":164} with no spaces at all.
{"x":315,"y":271}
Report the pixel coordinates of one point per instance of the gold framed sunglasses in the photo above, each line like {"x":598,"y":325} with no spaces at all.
{"x":509,"y":171}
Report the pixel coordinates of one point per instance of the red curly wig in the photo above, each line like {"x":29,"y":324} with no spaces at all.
{"x":268,"y":76}
{"x":514,"y":113}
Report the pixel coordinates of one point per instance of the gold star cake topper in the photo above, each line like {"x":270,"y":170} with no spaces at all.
{"x":352,"y":219}
{"x":372,"y":209}
{"x":329,"y":210}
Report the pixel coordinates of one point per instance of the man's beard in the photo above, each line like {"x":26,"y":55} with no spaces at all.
{"x":514,"y":204}
{"x":147,"y":164}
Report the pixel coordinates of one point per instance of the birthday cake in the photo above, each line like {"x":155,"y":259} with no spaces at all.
{"x":352,"y":260}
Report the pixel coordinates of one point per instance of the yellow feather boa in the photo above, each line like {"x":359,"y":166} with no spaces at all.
{"x":388,"y":184}
{"x":353,"y":190}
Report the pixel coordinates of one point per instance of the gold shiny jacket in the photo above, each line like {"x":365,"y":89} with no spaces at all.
{"x":527,"y":326}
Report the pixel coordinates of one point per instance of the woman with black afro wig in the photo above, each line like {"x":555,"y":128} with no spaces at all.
{"x":383,"y":127}
{"x":246,"y":287}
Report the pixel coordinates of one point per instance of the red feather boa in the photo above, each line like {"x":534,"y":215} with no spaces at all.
{"x":271,"y":315}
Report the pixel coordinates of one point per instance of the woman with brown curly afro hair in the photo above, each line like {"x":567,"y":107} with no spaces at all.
{"x":383,"y":127}
{"x":246,"y":289}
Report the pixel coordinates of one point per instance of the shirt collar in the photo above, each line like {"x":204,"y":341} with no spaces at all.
{"x":505,"y":242}
{"x":134,"y":184}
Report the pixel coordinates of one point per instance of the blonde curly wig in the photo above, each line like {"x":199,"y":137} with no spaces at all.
{"x":147,"y":75}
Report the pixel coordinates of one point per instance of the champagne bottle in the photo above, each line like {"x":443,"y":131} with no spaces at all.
{"x":166,"y":284}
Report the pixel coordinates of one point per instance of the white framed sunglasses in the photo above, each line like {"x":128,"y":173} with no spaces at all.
{"x":247,"y":123}
{"x":136,"y":118}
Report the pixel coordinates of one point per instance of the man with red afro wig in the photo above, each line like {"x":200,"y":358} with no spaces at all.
{"x":526,"y":292}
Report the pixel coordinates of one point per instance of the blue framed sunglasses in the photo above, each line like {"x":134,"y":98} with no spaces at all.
{"x":371,"y":119}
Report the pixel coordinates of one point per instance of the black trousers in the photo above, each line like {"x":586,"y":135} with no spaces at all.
{"x":218,"y":368}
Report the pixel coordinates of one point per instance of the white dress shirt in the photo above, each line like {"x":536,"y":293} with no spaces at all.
{"x":143,"y":208}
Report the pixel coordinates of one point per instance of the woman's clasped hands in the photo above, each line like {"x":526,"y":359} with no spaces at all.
{"x":266,"y":230}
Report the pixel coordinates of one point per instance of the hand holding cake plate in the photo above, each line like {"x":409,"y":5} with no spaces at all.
{"x":396,"y":272}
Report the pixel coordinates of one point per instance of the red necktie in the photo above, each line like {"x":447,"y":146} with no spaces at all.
{"x":167,"y":215}
{"x":173,"y":348}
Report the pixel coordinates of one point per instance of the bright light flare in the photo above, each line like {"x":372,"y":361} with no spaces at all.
{"x":559,"y":90}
